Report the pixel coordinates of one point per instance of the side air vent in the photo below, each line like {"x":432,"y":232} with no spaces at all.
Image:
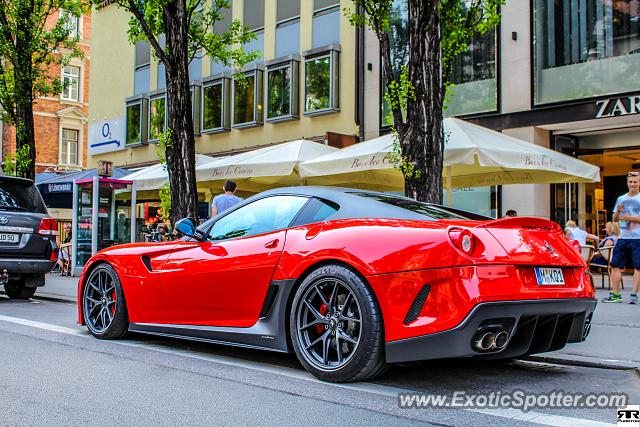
{"x":418,"y":303}
{"x":147,"y":262}
{"x":269,"y":299}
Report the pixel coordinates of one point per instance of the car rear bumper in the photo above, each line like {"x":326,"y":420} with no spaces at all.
{"x":533,"y":327}
{"x":26,"y":265}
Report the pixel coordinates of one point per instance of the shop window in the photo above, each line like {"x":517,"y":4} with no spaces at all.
{"x":69,"y":147}
{"x":288,"y":28}
{"x":247,"y":100}
{"x":321,"y":85}
{"x":585,"y":48}
{"x":142,"y":71}
{"x":326,"y":23}
{"x":157,"y":117}
{"x":71,"y":83}
{"x":282,"y":90}
{"x":136,"y":121}
{"x":215,"y":105}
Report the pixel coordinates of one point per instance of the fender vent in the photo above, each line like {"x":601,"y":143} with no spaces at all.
{"x":418,"y":303}
{"x":147,"y":262}
{"x":269,"y":299}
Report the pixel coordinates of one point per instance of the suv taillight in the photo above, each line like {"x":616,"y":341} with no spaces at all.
{"x":48,"y":227}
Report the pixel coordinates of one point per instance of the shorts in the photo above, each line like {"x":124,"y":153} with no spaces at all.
{"x":626,"y":252}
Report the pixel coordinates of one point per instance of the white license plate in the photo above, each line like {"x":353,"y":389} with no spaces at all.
{"x":9,"y":238}
{"x":549,"y":276}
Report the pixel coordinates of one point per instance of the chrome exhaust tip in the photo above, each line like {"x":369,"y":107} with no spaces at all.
{"x":500,"y":340}
{"x":485,"y":341}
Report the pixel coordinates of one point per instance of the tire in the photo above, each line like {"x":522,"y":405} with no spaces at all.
{"x":18,"y":290}
{"x":104,"y":308}
{"x":349,"y":299}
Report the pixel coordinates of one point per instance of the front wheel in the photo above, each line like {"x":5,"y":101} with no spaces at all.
{"x":103,"y":306}
{"x":18,"y":290}
{"x":336,"y":326}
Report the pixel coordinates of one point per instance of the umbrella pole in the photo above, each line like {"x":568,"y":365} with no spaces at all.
{"x":448,"y":186}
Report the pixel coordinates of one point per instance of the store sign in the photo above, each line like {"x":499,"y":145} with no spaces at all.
{"x":614,"y":107}
{"x":59,"y":188}
{"x":105,"y":168}
{"x":106,"y":136}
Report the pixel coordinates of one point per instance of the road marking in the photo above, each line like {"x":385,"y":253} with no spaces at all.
{"x":378,"y":389}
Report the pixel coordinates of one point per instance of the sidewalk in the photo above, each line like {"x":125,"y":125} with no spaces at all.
{"x":613,"y":343}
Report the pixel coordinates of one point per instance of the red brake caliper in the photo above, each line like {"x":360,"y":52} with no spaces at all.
{"x":323,"y":311}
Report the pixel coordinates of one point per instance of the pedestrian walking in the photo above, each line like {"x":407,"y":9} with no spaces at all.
{"x":626,"y":213}
{"x":610,"y":240}
{"x":573,"y":232}
{"x":224,"y":201}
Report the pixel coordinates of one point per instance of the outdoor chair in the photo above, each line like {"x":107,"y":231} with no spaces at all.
{"x":65,"y":249}
{"x":606,"y":253}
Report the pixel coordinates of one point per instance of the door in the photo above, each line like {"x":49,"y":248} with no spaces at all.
{"x":223,"y":280}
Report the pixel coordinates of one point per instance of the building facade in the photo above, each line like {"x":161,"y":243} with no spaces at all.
{"x":561,"y":74}
{"x":61,"y":121}
{"x":303,"y":86}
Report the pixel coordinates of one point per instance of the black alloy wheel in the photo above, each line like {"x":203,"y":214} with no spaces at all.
{"x":336,"y":326}
{"x":103,"y":305}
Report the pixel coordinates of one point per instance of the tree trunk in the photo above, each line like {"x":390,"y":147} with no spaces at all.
{"x":180,"y":151}
{"x":422,"y":140}
{"x":25,"y":135}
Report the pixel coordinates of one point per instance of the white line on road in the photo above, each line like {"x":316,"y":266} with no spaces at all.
{"x":381,"y":390}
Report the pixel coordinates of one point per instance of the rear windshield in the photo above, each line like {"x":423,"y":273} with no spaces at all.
{"x":20,"y":197}
{"x":426,"y":209}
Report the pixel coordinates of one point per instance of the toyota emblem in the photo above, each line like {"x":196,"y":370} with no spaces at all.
{"x":4,"y":220}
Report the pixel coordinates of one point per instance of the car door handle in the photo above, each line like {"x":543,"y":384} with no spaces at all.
{"x":272,"y":244}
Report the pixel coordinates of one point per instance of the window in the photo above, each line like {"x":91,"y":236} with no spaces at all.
{"x":136,"y":118}
{"x":254,"y":20}
{"x":71,"y":83}
{"x":247,"y":100}
{"x":195,"y":107}
{"x":585,"y":48}
{"x":21,"y":196}
{"x":426,"y":209}
{"x":69,"y":147}
{"x":220,"y":27}
{"x":316,"y":210}
{"x":215,"y":105}
{"x":288,"y":28}
{"x":195,"y":67}
{"x":262,"y":216}
{"x":71,"y":23}
{"x":161,"y":81}
{"x":142,"y":71}
{"x":157,"y":117}
{"x":282,"y":91}
{"x":321,"y":83}
{"x":326,"y":22}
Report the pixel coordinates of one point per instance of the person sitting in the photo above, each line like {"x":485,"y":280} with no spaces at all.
{"x":573,"y":232}
{"x":612,"y":230}
{"x":161,"y":234}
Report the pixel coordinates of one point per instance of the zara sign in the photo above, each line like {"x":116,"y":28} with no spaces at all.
{"x":613,"y":107}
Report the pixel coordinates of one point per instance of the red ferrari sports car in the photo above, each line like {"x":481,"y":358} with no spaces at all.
{"x":349,"y":280}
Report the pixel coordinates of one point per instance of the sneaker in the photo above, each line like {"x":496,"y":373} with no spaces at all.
{"x":634,"y":299}
{"x":613,"y":298}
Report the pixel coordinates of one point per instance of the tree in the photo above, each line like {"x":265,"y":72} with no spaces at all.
{"x":30,"y":48}
{"x":187,"y":26}
{"x":438,"y":31}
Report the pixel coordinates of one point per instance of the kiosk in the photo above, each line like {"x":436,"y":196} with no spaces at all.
{"x":103,"y":215}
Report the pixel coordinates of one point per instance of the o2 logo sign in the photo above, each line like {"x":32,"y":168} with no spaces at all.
{"x":105,"y":136}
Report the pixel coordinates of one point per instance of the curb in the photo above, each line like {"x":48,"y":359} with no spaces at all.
{"x":586,"y":362}
{"x":51,"y":297}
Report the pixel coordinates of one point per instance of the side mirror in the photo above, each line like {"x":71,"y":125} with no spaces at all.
{"x":186,"y":226}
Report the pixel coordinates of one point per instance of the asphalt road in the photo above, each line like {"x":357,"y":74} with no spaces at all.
{"x":54,"y":372}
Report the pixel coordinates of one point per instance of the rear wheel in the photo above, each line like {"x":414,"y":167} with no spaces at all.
{"x":18,"y":290}
{"x":336,"y":326}
{"x":103,"y":306}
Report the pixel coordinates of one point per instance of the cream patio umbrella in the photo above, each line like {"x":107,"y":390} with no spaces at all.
{"x":264,"y":168}
{"x":155,"y":176}
{"x":474,"y":156}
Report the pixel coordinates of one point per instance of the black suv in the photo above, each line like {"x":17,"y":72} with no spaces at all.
{"x":28,"y":247}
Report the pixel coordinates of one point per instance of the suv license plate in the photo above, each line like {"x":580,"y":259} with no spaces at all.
{"x":9,"y":238}
{"x":549,"y":276}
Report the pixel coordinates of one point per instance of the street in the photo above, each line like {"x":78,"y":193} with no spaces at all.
{"x":54,"y":372}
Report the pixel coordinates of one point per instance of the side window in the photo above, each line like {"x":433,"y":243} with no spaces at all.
{"x":261,"y":216}
{"x":316,"y":210}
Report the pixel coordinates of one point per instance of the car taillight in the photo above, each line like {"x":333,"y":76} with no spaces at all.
{"x":464,"y":240}
{"x":48,"y":227}
{"x":53,"y":256}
